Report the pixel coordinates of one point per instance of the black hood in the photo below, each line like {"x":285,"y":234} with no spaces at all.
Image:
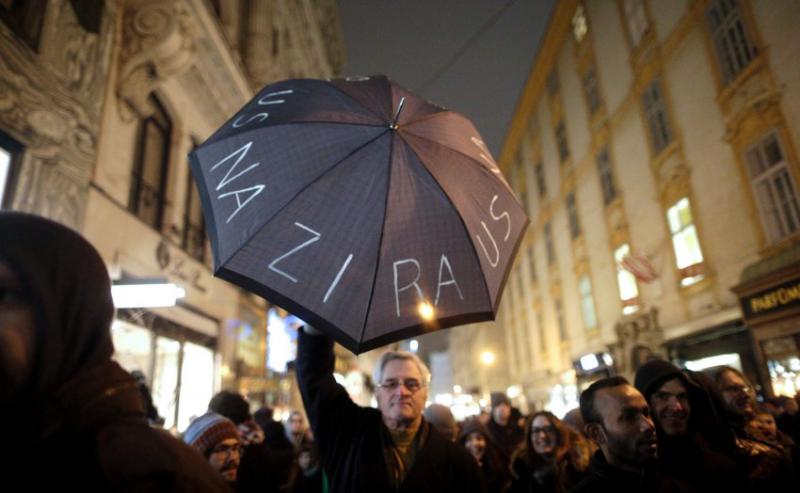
{"x":66,"y":282}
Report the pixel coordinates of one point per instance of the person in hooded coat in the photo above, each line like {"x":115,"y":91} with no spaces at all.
{"x":74,"y":416}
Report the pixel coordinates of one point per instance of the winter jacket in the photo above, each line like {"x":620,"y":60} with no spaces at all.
{"x":605,"y":478}
{"x":352,"y":439}
{"x":78,"y":423}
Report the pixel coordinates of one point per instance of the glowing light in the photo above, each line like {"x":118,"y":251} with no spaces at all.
{"x":413,"y":345}
{"x":146,"y":295}
{"x":589,"y":362}
{"x":729,"y":359}
{"x":457,"y":389}
{"x":487,"y":357}
{"x":425,"y":310}
{"x":514,"y":391}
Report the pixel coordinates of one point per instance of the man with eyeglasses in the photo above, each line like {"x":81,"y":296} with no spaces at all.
{"x":679,"y":409}
{"x":391,"y":448}
{"x":217,"y":438}
{"x":766,"y":466}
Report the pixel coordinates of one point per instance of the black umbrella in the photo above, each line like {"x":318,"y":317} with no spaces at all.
{"x":365,"y":210}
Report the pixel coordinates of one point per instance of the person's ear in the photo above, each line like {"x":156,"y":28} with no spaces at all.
{"x":596,"y":433}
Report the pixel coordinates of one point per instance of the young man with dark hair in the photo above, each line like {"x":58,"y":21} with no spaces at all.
{"x":617,"y":418}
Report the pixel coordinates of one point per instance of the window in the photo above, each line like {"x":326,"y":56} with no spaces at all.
{"x":774,"y":188}
{"x":688,"y":256}
{"x":656,"y":114}
{"x":25,"y":18}
{"x":591,"y":90}
{"x":194,"y":226}
{"x":579,"y":25}
{"x":9,"y":151}
{"x":540,"y":183}
{"x":150,"y":169}
{"x":636,"y":18}
{"x":562,"y":326}
{"x":561,"y":139}
{"x":587,"y":302}
{"x":626,"y":282}
{"x":734,"y":48}
{"x":552,"y":83}
{"x":548,"y":244}
{"x":606,"y":176}
{"x":572,"y":214}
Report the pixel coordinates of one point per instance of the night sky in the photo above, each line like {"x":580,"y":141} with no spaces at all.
{"x":412,"y":41}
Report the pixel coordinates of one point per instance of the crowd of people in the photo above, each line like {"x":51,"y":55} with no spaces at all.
{"x":76,"y":418}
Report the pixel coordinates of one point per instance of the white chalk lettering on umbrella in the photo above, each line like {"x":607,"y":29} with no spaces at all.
{"x":407,"y":286}
{"x":351,"y":163}
{"x":294,"y":250}
{"x":263,"y":101}
{"x":253,"y":191}
{"x":505,"y":215}
{"x":442,"y":262}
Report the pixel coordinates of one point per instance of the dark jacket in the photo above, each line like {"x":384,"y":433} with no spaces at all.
{"x":78,"y":423}
{"x":351,"y":439}
{"x":507,"y":438}
{"x":605,"y":478}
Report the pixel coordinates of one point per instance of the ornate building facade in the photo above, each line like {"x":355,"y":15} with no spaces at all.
{"x":655,"y":149}
{"x":100,"y":102}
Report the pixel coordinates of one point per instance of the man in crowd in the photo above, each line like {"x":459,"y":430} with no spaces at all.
{"x":391,"y":448}
{"x":74,"y":418}
{"x":617,"y":418}
{"x":296,"y":430}
{"x":504,"y":431}
{"x":767,"y":465}
{"x":441,"y":418}
{"x":679,"y":409}
{"x":217,"y":439}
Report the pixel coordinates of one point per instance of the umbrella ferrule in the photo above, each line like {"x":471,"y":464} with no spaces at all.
{"x":393,"y":125}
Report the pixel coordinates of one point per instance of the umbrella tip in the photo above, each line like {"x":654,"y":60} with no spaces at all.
{"x":393,"y":125}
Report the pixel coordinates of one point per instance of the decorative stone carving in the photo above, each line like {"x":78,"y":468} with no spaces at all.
{"x":157,"y":44}
{"x":639,"y":338}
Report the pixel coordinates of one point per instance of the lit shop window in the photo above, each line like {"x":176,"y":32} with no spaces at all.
{"x":628,"y":290}
{"x":636,"y":18}
{"x":587,"y":302}
{"x":579,"y":25}
{"x":689,"y":257}
{"x":774,"y":188}
{"x":10,"y":152}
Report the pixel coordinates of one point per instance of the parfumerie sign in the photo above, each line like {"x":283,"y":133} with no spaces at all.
{"x":775,"y":299}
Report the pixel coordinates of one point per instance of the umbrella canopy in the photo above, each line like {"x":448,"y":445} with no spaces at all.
{"x":365,"y":210}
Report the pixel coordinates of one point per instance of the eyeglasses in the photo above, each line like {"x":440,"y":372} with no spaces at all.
{"x":735,"y":389}
{"x":548,"y":430}
{"x":411,"y":384}
{"x":226,"y":449}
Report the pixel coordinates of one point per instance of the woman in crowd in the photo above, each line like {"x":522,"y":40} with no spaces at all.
{"x":553,"y":457}
{"x":475,"y":438}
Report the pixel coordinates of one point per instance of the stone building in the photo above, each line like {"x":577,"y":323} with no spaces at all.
{"x":100,"y":102}
{"x":655,"y":149}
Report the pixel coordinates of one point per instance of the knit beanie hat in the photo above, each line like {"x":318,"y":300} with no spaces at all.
{"x":208,"y":430}
{"x":652,"y":374}
{"x":473,"y":426}
{"x":498,"y":398}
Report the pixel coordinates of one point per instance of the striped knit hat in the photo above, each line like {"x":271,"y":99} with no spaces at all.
{"x":208,"y":430}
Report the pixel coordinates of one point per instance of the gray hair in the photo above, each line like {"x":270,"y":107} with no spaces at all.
{"x":377,"y":372}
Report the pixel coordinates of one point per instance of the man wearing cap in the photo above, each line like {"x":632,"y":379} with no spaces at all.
{"x":217,"y":438}
{"x":392,"y":448}
{"x":679,"y":406}
{"x":502,"y":429}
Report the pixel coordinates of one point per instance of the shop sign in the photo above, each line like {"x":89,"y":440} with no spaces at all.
{"x":775,"y":299}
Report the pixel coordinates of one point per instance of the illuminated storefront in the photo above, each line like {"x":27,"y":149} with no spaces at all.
{"x":769,"y":294}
